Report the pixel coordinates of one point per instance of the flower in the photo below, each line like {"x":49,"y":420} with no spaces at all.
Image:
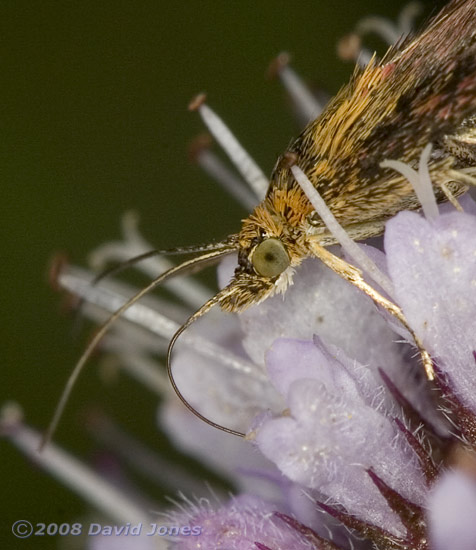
{"x":244,"y":522}
{"x":367,"y":444}
{"x":452,"y":509}
{"x":347,"y":443}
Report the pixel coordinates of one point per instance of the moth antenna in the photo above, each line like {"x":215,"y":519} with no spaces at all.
{"x":118,"y":268}
{"x":208,"y":258}
{"x":199,"y":313}
{"x":113,"y":270}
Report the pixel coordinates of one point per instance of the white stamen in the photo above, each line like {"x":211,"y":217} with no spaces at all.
{"x":407,"y":17}
{"x":354,"y":251}
{"x":307,"y":104}
{"x":72,"y":473}
{"x":381,"y":26}
{"x":190,"y":291}
{"x":108,"y":298}
{"x":365,"y":57}
{"x":137,"y":364}
{"x":387,"y":30}
{"x":247,"y":167}
{"x":349,"y":48}
{"x":420,"y":181}
{"x":162,"y":471}
{"x":215,"y":168}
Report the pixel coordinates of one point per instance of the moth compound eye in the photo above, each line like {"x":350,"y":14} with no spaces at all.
{"x":270,"y":258}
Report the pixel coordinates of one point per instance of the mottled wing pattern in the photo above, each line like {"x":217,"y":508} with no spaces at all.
{"x":423,"y":90}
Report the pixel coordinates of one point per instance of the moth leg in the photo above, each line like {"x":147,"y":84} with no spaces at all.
{"x":450,"y":196}
{"x":365,"y":230}
{"x":356,"y":231}
{"x":354,"y":276}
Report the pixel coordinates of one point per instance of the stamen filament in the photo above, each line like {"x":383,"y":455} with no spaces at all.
{"x":76,"y":281}
{"x":139,"y":365}
{"x":208,"y":258}
{"x":216,"y":169}
{"x":354,"y":251}
{"x":81,"y":479}
{"x":381,"y":26}
{"x":308,"y":105}
{"x":247,"y":167}
{"x":189,"y":290}
{"x":420,"y":181}
{"x":406,"y":19}
{"x":158,"y":469}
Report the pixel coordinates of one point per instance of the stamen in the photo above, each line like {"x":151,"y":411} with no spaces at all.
{"x":189,"y":290}
{"x":111,"y":298}
{"x":247,"y":167}
{"x":210,"y":257}
{"x":364,"y":57}
{"x":307,"y":105}
{"x":382,"y":27}
{"x":407,"y":17}
{"x":354,"y":251}
{"x":388,"y":31}
{"x":420,"y":181}
{"x":61,"y":465}
{"x":349,"y":48}
{"x":218,"y":171}
{"x":142,"y":459}
{"x":139,"y":365}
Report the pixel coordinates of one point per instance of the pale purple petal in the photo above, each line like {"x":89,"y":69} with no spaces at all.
{"x":331,"y":436}
{"x":452,"y":512}
{"x":225,"y":395}
{"x":236,"y":459}
{"x":433,"y":268}
{"x":467,"y":204}
{"x":321,"y":303}
{"x":238,"y":525}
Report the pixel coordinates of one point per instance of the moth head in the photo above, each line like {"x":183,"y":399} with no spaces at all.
{"x":267,"y":254}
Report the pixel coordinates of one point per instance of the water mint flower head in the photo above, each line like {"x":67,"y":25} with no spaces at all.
{"x":348,"y":434}
{"x":348,"y":444}
{"x":359,"y":431}
{"x":244,"y":522}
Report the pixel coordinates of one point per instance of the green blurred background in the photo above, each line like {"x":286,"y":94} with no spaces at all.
{"x":94,"y":123}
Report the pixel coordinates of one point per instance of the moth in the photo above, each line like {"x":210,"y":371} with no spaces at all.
{"x":422,"y":91}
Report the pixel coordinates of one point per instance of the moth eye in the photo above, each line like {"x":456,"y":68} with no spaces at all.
{"x":270,"y":258}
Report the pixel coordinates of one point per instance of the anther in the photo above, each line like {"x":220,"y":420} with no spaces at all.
{"x":197,"y":101}
{"x":289,"y":159}
{"x":278,"y":64}
{"x":57,"y":264}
